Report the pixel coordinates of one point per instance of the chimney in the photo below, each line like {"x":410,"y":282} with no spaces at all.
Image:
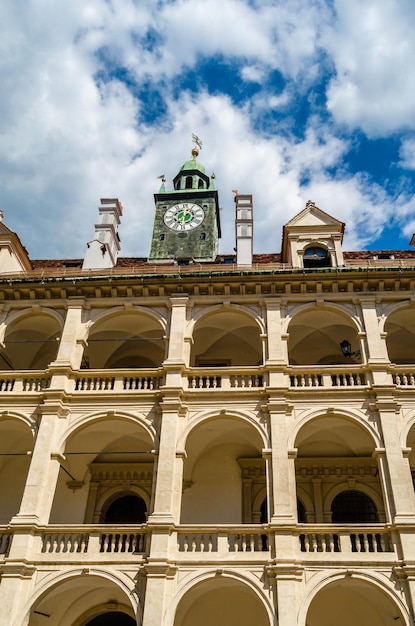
{"x":244,"y":229}
{"x":103,"y":250}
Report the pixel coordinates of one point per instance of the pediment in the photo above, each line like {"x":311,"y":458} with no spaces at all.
{"x":313,"y":216}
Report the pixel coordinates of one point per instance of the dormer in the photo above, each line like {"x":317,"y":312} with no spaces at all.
{"x":313,"y":239}
{"x":13,"y":255}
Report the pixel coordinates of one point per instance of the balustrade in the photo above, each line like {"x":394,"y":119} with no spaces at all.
{"x":223,"y":540}
{"x":345,"y":540}
{"x":227,"y":378}
{"x":23,"y":382}
{"x":404,"y":377}
{"x":327,"y":376}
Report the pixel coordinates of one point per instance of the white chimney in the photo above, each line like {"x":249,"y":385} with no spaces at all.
{"x":103,"y":250}
{"x":244,"y":229}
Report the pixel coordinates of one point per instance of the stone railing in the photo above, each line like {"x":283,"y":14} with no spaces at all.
{"x":18,"y":382}
{"x":327,"y":376}
{"x":102,"y":543}
{"x":345,"y":540}
{"x":225,"y":378}
{"x":403,"y":376}
{"x":197,"y":542}
{"x":116,"y":381}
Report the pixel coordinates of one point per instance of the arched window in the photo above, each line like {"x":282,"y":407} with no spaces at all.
{"x":112,"y":618}
{"x":315,"y":256}
{"x":129,"y":509}
{"x":353,"y":507}
{"x":201,"y":184}
{"x":301,"y":515}
{"x":189,"y":182}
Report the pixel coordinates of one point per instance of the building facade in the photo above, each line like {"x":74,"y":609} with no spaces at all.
{"x":207,"y":439}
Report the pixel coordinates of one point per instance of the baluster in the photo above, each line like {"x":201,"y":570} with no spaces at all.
{"x":380,"y":543}
{"x":323,"y":543}
{"x":366,"y":545}
{"x":314,"y":544}
{"x":210,"y":543}
{"x":193,"y":543}
{"x":411,"y":379}
{"x":243,"y":543}
{"x":307,"y":543}
{"x":236,"y":381}
{"x":186,"y":543}
{"x":331,"y":543}
{"x":405,"y":379}
{"x":302,"y":380}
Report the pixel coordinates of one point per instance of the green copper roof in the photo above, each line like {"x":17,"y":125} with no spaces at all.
{"x":193,"y":165}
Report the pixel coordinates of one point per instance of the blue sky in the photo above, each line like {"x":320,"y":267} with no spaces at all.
{"x":293,"y":100}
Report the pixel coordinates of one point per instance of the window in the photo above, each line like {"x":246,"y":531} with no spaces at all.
{"x":353,"y":507}
{"x":189,"y":182}
{"x":129,"y":509}
{"x":316,"y":257}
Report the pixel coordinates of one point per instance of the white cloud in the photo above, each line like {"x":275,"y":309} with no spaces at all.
{"x":373,"y":49}
{"x":68,"y":138}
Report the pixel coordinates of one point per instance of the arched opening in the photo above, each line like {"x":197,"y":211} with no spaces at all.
{"x":400,"y":338}
{"x":264,"y":512}
{"x":226,"y":339}
{"x":315,"y":336}
{"x":189,"y":182}
{"x":102,"y":457}
{"x":353,"y":507}
{"x":127,"y":509}
{"x":16,"y":443}
{"x":31,"y":342}
{"x":125,"y":340}
{"x":220,"y":452}
{"x":301,"y":514}
{"x":87,"y":599}
{"x":316,"y":256}
{"x":221,"y":602}
{"x":201,"y":184}
{"x":112,"y":618}
{"x":352,"y":601}
{"x":332,"y":450}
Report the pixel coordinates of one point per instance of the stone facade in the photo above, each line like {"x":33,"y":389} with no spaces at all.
{"x":190,"y":445}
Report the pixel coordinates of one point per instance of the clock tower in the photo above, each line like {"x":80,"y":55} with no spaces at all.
{"x":186,"y":223}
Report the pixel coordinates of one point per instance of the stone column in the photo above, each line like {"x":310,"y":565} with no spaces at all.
{"x":397,"y":480}
{"x":277,"y":345}
{"x":283,"y":505}
{"x":70,"y":349}
{"x":377,"y":354}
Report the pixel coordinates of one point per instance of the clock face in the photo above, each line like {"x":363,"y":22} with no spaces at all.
{"x":184,"y":216}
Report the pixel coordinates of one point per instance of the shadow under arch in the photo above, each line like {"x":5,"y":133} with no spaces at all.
{"x":69,"y":598}
{"x":352,"y":598}
{"x":31,"y":340}
{"x":226,"y":337}
{"x":200,"y":600}
{"x":315,"y":334}
{"x":101,"y":454}
{"x":17,"y":434}
{"x":400,"y":335}
{"x":125,"y":338}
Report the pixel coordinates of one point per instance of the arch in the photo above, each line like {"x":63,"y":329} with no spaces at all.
{"x":197,"y":420}
{"x":84,"y":421}
{"x":307,"y":503}
{"x":347,"y":311}
{"x":101,"y":453}
{"x":58,"y":591}
{"x":16,"y":444}
{"x":400,"y":335}
{"x":112,"y":497}
{"x":206,"y":312}
{"x":226,"y":337}
{"x":193,"y":583}
{"x":125,"y":338}
{"x":321,"y":582}
{"x":316,"y":254}
{"x":358,"y":418}
{"x":109,"y":617}
{"x":31,"y":339}
{"x":343,"y":487}
{"x":315,"y":334}
{"x":219,"y":451}
{"x":353,"y":506}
